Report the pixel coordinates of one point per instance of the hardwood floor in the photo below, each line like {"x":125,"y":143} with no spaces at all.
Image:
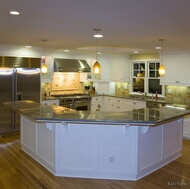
{"x":19,"y":171}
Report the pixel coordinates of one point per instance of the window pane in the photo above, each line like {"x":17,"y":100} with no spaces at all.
{"x":152,"y":74}
{"x":157,"y":65}
{"x":154,"y":86}
{"x":151,"y":66}
{"x":142,"y":66}
{"x":136,"y":66}
{"x":138,"y":84}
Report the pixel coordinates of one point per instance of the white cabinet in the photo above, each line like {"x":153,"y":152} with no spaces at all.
{"x":108,"y":103}
{"x":119,"y":69}
{"x":96,"y":103}
{"x":177,"y":70}
{"x":47,"y":77}
{"x":121,"y":104}
{"x":50,"y":102}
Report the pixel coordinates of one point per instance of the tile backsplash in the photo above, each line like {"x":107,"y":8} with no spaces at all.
{"x":177,"y":93}
{"x":65,"y":83}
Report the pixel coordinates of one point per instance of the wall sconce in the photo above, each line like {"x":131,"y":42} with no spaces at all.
{"x":161,"y":69}
{"x":44,"y":68}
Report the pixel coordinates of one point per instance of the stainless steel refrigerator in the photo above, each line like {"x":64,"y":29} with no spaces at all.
{"x":16,"y":84}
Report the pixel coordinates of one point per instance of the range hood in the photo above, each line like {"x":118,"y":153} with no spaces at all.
{"x":71,"y":65}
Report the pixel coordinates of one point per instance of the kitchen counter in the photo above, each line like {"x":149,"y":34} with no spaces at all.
{"x":101,"y":145}
{"x":51,"y":113}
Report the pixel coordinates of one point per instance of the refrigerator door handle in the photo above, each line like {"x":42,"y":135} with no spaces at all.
{"x":14,"y":85}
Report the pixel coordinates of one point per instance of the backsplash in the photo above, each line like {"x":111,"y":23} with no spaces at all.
{"x":65,"y":83}
{"x":172,"y":93}
{"x":177,"y":93}
{"x":121,"y":89}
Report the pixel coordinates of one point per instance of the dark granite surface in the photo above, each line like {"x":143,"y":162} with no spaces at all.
{"x":53,"y":113}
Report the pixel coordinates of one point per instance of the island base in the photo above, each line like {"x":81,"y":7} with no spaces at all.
{"x":101,"y":151}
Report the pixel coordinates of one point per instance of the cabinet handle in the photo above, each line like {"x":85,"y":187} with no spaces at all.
{"x":134,"y":102}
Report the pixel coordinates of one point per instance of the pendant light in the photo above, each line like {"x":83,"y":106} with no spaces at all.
{"x":96,"y":66}
{"x":161,"y":69}
{"x":44,"y":66}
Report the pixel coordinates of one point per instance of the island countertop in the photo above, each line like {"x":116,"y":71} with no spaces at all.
{"x":53,"y":113}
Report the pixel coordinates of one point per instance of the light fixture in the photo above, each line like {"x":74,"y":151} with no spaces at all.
{"x":96,"y":66}
{"x":15,"y":13}
{"x":97,"y":34}
{"x":44,"y":66}
{"x":161,"y":69}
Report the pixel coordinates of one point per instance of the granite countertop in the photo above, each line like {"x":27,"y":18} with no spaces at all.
{"x":53,"y":113}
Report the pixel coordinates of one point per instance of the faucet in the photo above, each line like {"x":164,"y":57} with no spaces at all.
{"x":143,"y":94}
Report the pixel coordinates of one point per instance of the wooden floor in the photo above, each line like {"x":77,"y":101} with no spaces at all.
{"x":19,"y":171}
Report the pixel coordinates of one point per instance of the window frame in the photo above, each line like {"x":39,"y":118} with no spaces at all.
{"x":146,"y":77}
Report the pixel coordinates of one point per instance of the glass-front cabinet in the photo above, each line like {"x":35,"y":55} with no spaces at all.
{"x":145,"y":77}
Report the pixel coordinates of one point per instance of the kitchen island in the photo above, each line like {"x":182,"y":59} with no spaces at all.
{"x":106,"y":145}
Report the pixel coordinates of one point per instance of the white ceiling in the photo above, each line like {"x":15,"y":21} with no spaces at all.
{"x":127,"y":25}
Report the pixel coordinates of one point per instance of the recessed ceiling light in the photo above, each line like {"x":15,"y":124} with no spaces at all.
{"x":98,"y":35}
{"x":135,"y":51}
{"x":99,"y":52}
{"x":28,"y":46}
{"x":158,"y":47}
{"x":66,"y":50}
{"x":14,"y":12}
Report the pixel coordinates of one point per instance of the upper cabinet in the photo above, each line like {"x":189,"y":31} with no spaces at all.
{"x":47,"y":77}
{"x":120,"y":69}
{"x":177,"y":70}
{"x":103,"y":76}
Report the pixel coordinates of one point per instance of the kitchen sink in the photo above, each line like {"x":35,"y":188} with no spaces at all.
{"x":155,"y":104}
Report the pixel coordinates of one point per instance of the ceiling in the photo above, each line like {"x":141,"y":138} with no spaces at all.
{"x":127,"y":25}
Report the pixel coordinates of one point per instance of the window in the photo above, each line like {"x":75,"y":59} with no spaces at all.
{"x":138,"y":76}
{"x":145,"y":77}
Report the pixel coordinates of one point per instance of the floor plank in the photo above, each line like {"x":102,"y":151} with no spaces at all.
{"x":19,"y":171}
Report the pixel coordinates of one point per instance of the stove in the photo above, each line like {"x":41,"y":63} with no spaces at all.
{"x":75,"y":101}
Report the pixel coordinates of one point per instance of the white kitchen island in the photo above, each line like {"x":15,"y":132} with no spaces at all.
{"x":98,"y":145}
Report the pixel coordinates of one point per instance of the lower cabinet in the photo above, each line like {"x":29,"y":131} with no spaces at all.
{"x":121,"y":104}
{"x":97,"y":103}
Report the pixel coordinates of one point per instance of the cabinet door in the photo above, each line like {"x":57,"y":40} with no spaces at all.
{"x":183,"y":69}
{"x":96,"y":103}
{"x":119,"y":69}
{"x":170,"y":63}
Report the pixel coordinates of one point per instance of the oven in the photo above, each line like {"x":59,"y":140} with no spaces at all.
{"x":80,"y":102}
